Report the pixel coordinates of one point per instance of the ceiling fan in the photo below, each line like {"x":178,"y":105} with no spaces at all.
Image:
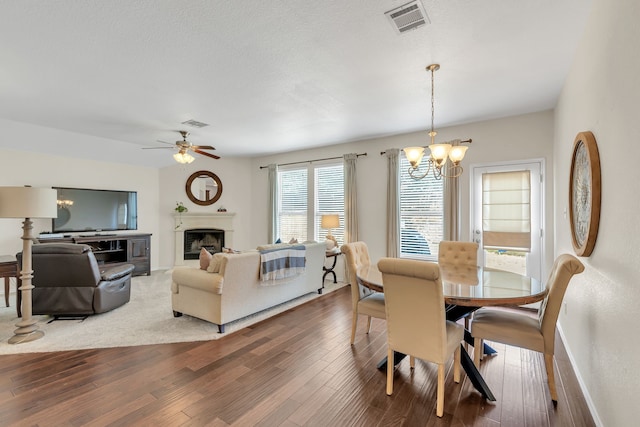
{"x":184,"y":146}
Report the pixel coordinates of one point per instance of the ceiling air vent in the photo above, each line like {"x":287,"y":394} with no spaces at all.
{"x":195,"y":124}
{"x":408,"y":17}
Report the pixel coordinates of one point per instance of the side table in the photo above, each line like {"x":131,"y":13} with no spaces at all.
{"x":8,"y":269}
{"x":329,"y":270}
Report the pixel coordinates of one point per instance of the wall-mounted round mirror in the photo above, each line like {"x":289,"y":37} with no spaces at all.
{"x":204,"y":188}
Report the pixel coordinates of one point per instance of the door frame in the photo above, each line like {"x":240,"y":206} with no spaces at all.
{"x":537,"y":188}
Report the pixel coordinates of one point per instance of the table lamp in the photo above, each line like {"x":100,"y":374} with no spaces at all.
{"x":328,"y":222}
{"x":27,"y":202}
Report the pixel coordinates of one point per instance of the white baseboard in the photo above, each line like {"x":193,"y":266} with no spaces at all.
{"x":583,"y":387}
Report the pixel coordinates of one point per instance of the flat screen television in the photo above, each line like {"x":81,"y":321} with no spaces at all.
{"x":82,"y":209}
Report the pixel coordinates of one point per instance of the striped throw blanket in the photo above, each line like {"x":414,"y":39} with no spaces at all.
{"x":282,"y":263}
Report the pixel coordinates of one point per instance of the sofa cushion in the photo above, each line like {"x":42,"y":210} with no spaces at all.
{"x":205,"y":258}
{"x":273,"y":246}
{"x":214,"y":264}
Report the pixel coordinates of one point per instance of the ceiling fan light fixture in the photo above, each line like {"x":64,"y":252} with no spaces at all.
{"x":183,"y":157}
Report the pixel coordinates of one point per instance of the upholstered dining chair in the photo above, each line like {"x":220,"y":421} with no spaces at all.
{"x":458,"y":253}
{"x":416,"y":323}
{"x":521,"y":329}
{"x":363,"y":300}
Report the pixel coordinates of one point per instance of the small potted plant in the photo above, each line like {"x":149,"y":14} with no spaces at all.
{"x":180,"y":208}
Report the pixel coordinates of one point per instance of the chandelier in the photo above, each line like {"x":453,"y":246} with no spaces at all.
{"x":439,"y":152}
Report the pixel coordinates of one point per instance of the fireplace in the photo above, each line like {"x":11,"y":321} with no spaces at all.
{"x":212,"y":239}
{"x":213,"y":230}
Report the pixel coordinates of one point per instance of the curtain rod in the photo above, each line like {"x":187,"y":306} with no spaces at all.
{"x":311,"y":161}
{"x":426,"y":146}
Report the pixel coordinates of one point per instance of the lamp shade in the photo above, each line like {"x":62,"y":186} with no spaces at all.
{"x":414,"y":155}
{"x":28,"y":202}
{"x":439,"y":152}
{"x":330,"y":221}
{"x":457,"y":153}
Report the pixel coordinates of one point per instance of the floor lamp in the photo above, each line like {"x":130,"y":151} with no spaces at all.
{"x":27,"y":203}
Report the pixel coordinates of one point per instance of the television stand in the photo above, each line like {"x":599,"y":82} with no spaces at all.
{"x":115,"y":249}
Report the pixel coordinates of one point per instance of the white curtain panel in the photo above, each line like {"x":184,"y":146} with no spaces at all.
{"x":350,"y":200}
{"x":393,"y":202}
{"x":451,"y":208}
{"x":273,"y":202}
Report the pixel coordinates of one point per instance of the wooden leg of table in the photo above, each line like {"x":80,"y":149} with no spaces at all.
{"x":7,"y":288}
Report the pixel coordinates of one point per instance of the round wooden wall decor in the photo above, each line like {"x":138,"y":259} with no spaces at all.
{"x":584,"y":193}
{"x":203,"y":188}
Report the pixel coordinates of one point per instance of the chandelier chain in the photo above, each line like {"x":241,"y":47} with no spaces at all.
{"x":432,"y":99}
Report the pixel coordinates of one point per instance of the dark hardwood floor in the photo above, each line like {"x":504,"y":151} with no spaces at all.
{"x":295,"y":369}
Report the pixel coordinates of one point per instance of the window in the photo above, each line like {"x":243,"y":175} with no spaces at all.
{"x":292,"y":205}
{"x":299,"y":215}
{"x":421,"y":214}
{"x":329,"y":199}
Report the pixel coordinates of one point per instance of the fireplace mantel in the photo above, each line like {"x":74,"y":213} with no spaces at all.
{"x":189,"y":221}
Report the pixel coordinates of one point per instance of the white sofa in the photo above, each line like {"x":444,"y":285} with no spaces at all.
{"x":236,"y":290}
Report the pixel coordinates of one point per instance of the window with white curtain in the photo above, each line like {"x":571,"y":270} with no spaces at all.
{"x":305,"y":193}
{"x":421,"y":214}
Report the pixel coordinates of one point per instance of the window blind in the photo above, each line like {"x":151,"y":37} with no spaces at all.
{"x":506,"y":210}
{"x":298,"y":216}
{"x":292,"y":205}
{"x":329,"y":198}
{"x":421,"y":214}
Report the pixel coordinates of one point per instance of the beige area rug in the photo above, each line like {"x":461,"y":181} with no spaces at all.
{"x":146,"y":319}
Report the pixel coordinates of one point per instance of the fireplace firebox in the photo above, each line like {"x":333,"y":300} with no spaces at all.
{"x":212,"y":239}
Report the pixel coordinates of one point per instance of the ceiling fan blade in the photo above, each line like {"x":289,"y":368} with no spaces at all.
{"x":204,"y":153}
{"x":203,"y":147}
{"x":172,"y":146}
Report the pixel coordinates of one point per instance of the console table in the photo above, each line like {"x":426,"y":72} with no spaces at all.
{"x":329,"y":270}
{"x":114,"y":249}
{"x":8,"y":269}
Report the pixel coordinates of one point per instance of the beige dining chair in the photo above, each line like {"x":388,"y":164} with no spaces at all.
{"x":522,"y":330}
{"x":458,"y":253}
{"x":363,"y":300}
{"x":416,"y":323}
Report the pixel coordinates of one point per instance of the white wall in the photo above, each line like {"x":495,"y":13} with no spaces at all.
{"x":520,"y":137}
{"x":237,"y":197}
{"x":601,"y":94}
{"x":42,"y":170}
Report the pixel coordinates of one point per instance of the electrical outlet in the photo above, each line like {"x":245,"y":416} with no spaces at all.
{"x":565,"y":307}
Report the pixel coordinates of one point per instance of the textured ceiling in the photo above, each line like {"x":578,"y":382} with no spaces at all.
{"x":273,"y":76}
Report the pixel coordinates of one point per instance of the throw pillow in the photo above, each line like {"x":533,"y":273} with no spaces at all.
{"x":278,"y":241}
{"x":214,"y":265}
{"x":205,"y":258}
{"x":293,"y":241}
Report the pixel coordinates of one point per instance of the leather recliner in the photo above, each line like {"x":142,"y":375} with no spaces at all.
{"x":68,"y":281}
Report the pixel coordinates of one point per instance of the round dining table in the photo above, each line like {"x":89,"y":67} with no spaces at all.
{"x":466,"y":289}
{"x":471,"y":286}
